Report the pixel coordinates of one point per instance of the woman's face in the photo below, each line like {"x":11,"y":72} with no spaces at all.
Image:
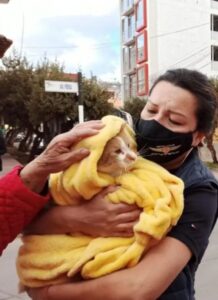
{"x":174,"y":108}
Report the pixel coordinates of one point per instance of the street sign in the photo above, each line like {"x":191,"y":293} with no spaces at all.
{"x":61,"y":86}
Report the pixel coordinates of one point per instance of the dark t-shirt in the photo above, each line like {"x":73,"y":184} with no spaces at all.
{"x":193,"y":229}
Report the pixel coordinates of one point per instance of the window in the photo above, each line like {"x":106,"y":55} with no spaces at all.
{"x":131,"y":27}
{"x":214,"y":53}
{"x":128,"y":28}
{"x":132,"y":57}
{"x":125,"y":59}
{"x":141,"y":15}
{"x":214,"y":22}
{"x":141,"y":44}
{"x":133,"y":85}
{"x":142,"y":80}
{"x":129,"y":58}
{"x":127,"y":4}
{"x":130,"y":86}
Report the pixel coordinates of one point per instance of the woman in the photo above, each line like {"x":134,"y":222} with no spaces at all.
{"x":180,"y":112}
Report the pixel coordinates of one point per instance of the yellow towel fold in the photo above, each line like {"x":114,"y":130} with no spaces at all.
{"x":51,"y":259}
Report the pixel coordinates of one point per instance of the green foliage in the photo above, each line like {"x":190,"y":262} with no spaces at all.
{"x":94,"y":99}
{"x":25,"y":106}
{"x":134,"y":106}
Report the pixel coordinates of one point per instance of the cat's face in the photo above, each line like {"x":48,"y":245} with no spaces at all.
{"x":118,"y":156}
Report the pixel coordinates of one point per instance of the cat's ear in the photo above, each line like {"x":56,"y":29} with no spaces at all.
{"x":122,"y":127}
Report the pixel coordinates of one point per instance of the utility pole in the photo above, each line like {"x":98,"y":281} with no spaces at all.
{"x":80,"y":101}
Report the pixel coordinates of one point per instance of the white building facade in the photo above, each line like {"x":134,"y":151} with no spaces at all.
{"x":161,"y":34}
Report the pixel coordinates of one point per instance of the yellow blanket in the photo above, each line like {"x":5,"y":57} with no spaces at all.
{"x":52,"y":259}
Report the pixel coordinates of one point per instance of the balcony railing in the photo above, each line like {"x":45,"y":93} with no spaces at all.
{"x":214,"y":65}
{"x":127,"y":7}
{"x":214,"y":35}
{"x":214,"y":4}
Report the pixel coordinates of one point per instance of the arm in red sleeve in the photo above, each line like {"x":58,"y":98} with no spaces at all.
{"x":18,"y":206}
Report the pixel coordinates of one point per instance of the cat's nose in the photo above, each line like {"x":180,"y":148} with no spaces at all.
{"x":131,"y":157}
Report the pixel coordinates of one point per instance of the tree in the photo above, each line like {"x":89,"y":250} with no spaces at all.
{"x":26,"y":107}
{"x":15,"y":89}
{"x":95,"y":100}
{"x":134,"y":106}
{"x":210,"y":135}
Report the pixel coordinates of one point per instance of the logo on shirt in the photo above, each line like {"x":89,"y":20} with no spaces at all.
{"x":165,"y":149}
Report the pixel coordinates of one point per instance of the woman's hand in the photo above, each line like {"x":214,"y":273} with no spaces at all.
{"x":38,"y":293}
{"x":104,"y":218}
{"x":58,"y":155}
{"x":95,"y":217}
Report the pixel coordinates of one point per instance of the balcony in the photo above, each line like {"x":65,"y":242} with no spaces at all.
{"x":214,"y":65}
{"x":127,"y":7}
{"x":214,"y":4}
{"x":129,"y":60}
{"x":128,"y":30}
{"x":214,"y":35}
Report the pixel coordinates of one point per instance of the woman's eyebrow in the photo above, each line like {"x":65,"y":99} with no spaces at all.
{"x":149,"y":101}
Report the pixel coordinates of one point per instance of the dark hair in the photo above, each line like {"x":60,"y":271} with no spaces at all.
{"x":200,"y":86}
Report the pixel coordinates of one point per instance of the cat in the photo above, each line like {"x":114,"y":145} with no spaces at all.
{"x":118,"y":155}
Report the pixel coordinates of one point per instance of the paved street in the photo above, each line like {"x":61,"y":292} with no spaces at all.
{"x":206,"y":281}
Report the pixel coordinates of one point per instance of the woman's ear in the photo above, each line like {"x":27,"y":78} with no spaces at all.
{"x":198,"y":137}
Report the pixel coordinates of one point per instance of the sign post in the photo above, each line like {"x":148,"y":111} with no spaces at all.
{"x":68,"y":87}
{"x":80,"y":106}
{"x":61,"y":86}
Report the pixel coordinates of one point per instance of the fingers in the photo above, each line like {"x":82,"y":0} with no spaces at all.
{"x":38,"y":293}
{"x":76,"y":156}
{"x":79,"y":132}
{"x":124,"y":230}
{"x":128,"y":217}
{"x":123,"y":207}
{"x":93,"y":123}
{"x":126,"y":227}
{"x":107,"y":190}
{"x":84,"y":130}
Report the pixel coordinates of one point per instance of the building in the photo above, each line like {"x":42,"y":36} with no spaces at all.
{"x":162,"y":34}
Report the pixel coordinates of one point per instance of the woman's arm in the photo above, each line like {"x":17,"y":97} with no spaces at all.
{"x":96,"y":217}
{"x":147,"y":280}
{"x":20,"y":200}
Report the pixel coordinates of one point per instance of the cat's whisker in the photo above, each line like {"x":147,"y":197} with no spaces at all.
{"x":142,"y":153}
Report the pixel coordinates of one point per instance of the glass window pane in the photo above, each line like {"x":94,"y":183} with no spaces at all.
{"x":140,"y":22}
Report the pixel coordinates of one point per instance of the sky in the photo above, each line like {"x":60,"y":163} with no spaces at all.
{"x":81,"y":34}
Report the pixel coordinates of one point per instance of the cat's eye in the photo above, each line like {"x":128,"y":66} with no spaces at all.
{"x":118,"y":151}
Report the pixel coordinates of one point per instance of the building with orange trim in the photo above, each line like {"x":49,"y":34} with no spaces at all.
{"x":157,"y":35}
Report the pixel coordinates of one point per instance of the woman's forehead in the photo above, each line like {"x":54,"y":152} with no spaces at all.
{"x":172,"y":97}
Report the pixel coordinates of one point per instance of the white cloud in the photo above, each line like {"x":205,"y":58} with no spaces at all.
{"x":28,"y":17}
{"x":114,"y":75}
{"x":83,"y":56}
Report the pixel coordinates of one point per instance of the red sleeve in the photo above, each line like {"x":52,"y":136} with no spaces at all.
{"x":18,"y":206}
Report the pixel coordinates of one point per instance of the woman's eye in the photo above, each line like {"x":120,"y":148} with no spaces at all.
{"x":175,"y":122}
{"x":151,"y":111}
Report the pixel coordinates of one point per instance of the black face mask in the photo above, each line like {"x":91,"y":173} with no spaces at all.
{"x":159,"y":144}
